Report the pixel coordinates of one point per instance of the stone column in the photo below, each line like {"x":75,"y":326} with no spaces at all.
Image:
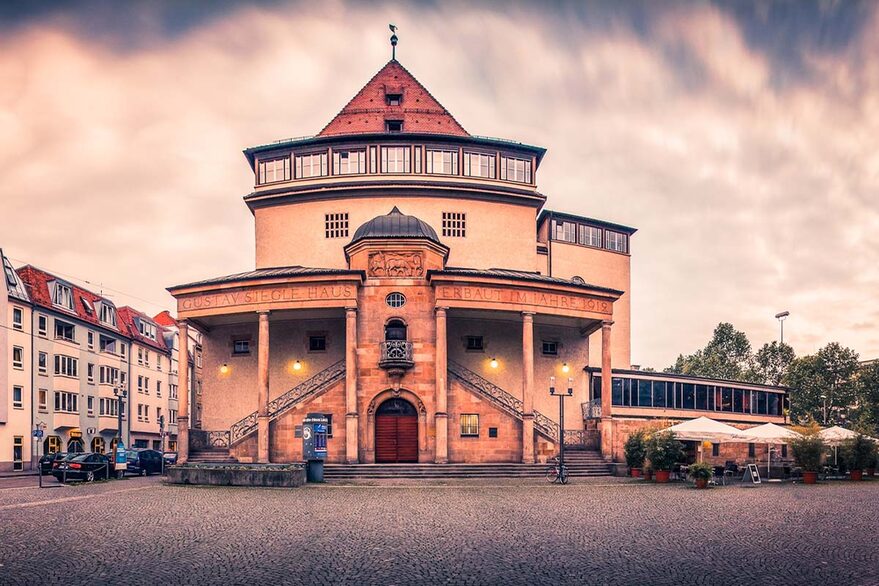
{"x":352,"y":420}
{"x":262,"y":381}
{"x":606,"y":380}
{"x":528,"y":387}
{"x":182,"y":392}
{"x":442,"y":391}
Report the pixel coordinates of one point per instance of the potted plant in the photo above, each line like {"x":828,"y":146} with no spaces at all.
{"x":858,"y":454}
{"x":701,"y":473}
{"x":663,"y":450}
{"x":808,"y":451}
{"x":635,"y":451}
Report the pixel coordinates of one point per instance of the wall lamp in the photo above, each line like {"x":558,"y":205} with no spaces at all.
{"x":493,"y":363}
{"x":565,"y":368}
{"x":224,"y":369}
{"x":297,"y":365}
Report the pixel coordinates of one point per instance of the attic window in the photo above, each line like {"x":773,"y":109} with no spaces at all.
{"x":394,"y":126}
{"x":87,"y":305}
{"x":394,"y":99}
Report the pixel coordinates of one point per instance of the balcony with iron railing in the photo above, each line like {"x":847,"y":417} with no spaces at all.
{"x":396,"y":355}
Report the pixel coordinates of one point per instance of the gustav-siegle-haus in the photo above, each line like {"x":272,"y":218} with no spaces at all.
{"x":412,"y":285}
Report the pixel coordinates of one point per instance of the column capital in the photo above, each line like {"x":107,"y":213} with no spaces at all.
{"x":606,"y":324}
{"x":263,"y":313}
{"x":440,"y":309}
{"x":350,"y":310}
{"x":528,"y":315}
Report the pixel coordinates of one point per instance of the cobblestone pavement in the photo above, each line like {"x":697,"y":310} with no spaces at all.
{"x":140,"y":531}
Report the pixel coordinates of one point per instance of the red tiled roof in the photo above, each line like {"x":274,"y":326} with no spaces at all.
{"x":368,"y":110}
{"x":164,"y":319}
{"x":126,"y":316}
{"x":37,"y":283}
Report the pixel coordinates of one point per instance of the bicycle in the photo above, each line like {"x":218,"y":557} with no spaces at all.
{"x":554,"y":473}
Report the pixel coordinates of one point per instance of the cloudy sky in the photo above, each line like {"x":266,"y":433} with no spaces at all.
{"x":741,"y":139}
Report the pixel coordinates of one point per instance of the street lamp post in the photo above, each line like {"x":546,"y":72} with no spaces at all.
{"x":561,"y":396}
{"x":781,"y":317}
{"x":120,"y":394}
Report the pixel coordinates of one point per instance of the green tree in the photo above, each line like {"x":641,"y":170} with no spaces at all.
{"x":823,"y":385}
{"x":727,"y":355}
{"x":867,"y":390}
{"x":771,"y":363}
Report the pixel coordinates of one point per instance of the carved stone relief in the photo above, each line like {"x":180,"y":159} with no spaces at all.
{"x":395,"y":264}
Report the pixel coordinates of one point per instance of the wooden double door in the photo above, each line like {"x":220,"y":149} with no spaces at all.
{"x":396,"y":432}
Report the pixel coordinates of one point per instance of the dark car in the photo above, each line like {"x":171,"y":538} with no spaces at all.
{"x":170,"y":458}
{"x":47,"y":461}
{"x":144,"y":462}
{"x":86,"y":467}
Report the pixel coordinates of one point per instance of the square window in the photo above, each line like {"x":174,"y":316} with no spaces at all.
{"x":317,"y":343}
{"x":394,"y":99}
{"x":454,"y":224}
{"x":549,"y":348}
{"x":394,"y":125}
{"x":336,"y":225}
{"x":492,"y":432}
{"x":64,"y":331}
{"x":470,"y":424}
{"x":240,"y":347}
{"x":474,"y":343}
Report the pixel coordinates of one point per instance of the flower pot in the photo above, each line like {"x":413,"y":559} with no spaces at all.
{"x":871,"y":472}
{"x":648,"y":475}
{"x":857,"y":474}
{"x":636,"y":473}
{"x":701,"y":483}
{"x":810,"y":477}
{"x":662,"y":476}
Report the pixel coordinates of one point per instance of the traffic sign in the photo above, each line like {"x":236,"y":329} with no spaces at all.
{"x":38,"y":433}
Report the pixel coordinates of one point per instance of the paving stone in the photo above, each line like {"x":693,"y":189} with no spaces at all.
{"x":141,"y":531}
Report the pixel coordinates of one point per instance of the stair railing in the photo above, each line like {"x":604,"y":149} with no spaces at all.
{"x":307,"y":389}
{"x":502,"y":399}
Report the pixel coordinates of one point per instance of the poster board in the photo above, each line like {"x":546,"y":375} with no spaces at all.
{"x":754,"y":473}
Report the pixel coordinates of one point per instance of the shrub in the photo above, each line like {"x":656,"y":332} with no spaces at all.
{"x":636,"y":449}
{"x":701,"y":471}
{"x":664,"y":450}
{"x":808,"y":451}
{"x":858,"y":453}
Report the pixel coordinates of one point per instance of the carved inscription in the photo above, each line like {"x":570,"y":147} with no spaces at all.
{"x":267,"y":295}
{"x":395,"y":264}
{"x":519,"y":297}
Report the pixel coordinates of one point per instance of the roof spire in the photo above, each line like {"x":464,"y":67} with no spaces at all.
{"x":393,"y":28}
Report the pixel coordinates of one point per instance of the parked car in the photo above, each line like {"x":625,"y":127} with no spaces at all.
{"x":144,"y":462}
{"x":84,"y":467}
{"x":49,"y":459}
{"x":170,"y":458}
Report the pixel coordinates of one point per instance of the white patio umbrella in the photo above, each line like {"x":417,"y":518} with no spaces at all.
{"x":835,"y":436}
{"x":705,"y":429}
{"x":768,"y":433}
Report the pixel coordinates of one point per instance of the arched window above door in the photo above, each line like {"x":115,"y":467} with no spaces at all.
{"x":395,"y":330}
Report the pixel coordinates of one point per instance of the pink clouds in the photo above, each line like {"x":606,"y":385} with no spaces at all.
{"x":125,"y":166}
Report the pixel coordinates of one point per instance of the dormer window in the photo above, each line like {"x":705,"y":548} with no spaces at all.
{"x":108,"y":314}
{"x":393,"y":126}
{"x":62,"y":296}
{"x":394,"y":99}
{"x":146,"y":329}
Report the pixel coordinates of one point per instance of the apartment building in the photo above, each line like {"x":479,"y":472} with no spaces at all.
{"x":16,"y":372}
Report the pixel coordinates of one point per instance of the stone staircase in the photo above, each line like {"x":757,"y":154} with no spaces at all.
{"x":583,"y":464}
{"x":211,"y":456}
{"x":503,"y":400}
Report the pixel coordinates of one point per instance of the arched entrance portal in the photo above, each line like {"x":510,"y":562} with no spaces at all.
{"x":75,"y":445}
{"x":396,"y":432}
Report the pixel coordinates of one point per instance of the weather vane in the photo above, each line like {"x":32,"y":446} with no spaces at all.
{"x":393,"y":28}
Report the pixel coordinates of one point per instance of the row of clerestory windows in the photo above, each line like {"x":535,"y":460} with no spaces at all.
{"x":394,"y":160}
